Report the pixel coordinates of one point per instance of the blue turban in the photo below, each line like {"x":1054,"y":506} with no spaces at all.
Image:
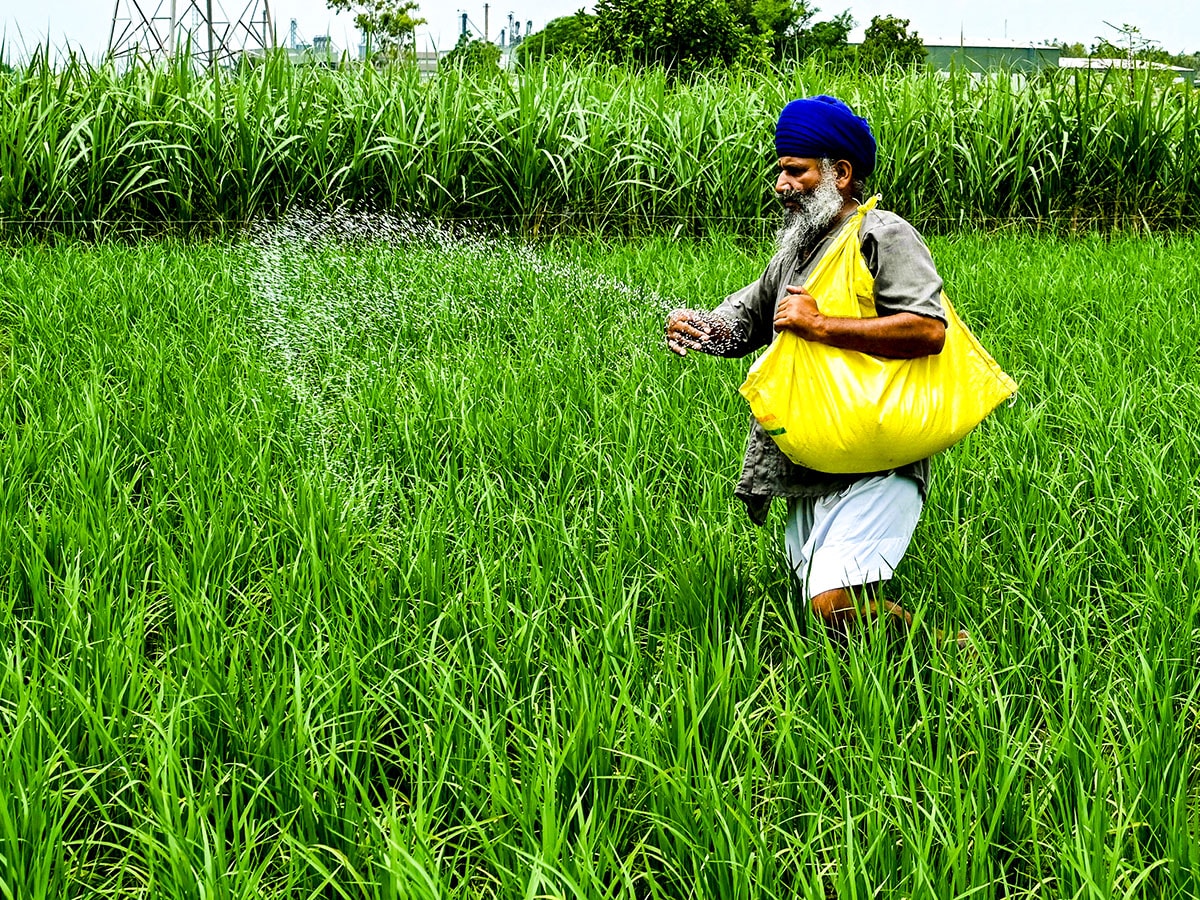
{"x":825,"y":127}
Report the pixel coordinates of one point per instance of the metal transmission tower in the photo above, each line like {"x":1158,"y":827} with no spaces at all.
{"x":159,"y":29}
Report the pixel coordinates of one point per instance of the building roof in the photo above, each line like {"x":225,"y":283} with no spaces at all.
{"x":989,"y":43}
{"x":1123,"y":62}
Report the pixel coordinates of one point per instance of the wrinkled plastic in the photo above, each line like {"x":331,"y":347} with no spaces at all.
{"x":842,"y":411}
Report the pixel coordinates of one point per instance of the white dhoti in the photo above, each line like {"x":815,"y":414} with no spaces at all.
{"x":852,"y":538}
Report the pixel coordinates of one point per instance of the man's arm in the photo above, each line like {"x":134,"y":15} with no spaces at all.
{"x":738,"y":326}
{"x":903,"y":335}
{"x":908,"y":289}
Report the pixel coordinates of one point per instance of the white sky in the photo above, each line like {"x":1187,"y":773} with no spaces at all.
{"x":1173,"y":24}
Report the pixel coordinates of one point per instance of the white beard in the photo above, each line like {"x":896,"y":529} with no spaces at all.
{"x":815,"y":213}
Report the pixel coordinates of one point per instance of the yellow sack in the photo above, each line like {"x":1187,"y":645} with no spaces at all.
{"x":842,"y":411}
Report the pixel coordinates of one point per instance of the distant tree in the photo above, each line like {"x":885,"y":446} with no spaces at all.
{"x":787,"y":30}
{"x":687,"y":35}
{"x":1130,"y":44}
{"x":779,"y":17}
{"x":830,"y":40}
{"x":389,"y":25}
{"x":572,"y":35}
{"x":887,"y":44}
{"x":683,"y":36}
{"x":1109,"y":50}
{"x":771,"y":24}
{"x":1187,"y":60}
{"x":472,"y":55}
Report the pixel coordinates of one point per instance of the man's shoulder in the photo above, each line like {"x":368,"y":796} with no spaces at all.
{"x":885,"y":231}
{"x":882,"y":219}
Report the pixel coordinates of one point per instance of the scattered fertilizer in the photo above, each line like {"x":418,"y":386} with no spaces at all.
{"x":343,"y":298}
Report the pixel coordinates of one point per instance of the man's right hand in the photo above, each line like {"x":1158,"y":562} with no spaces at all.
{"x":689,"y":329}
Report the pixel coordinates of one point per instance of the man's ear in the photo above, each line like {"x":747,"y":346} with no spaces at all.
{"x":844,"y":173}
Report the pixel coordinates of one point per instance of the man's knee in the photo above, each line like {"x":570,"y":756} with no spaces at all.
{"x":840,"y":603}
{"x":829,"y":604}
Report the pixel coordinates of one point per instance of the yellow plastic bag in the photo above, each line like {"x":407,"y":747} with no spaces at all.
{"x":842,"y":411}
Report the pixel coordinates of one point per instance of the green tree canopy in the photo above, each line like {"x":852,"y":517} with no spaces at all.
{"x":775,"y":22}
{"x":472,"y":55}
{"x":572,"y":35}
{"x":829,"y":40}
{"x":789,"y":32}
{"x":389,"y":25}
{"x":1107,"y":50}
{"x":1130,"y":43}
{"x":683,"y":36}
{"x":888,"y":44}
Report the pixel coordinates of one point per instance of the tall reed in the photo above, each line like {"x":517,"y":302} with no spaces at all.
{"x":579,"y":146}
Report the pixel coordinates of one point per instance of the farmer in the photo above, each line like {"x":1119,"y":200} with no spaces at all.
{"x":844,"y":534}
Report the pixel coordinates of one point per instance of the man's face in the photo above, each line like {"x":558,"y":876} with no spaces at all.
{"x":811,"y":198}
{"x":798,"y":175}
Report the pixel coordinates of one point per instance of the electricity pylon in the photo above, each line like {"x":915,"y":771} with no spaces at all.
{"x":159,"y":29}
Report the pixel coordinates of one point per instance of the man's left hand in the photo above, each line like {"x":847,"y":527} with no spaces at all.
{"x":798,"y":313}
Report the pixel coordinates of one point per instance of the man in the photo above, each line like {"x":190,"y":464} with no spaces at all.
{"x":844,"y":534}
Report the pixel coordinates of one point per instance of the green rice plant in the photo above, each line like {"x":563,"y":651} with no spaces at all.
{"x":358,"y":558}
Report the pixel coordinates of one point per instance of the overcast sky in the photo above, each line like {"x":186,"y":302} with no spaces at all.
{"x":1174,"y":24}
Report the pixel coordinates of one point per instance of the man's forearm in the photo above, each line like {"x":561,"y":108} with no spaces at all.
{"x":900,"y":336}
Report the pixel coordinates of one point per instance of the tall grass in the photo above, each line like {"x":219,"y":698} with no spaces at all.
{"x":332,"y":568}
{"x":87,"y":148}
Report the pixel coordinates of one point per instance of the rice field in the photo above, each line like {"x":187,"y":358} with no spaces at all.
{"x":354,"y":556}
